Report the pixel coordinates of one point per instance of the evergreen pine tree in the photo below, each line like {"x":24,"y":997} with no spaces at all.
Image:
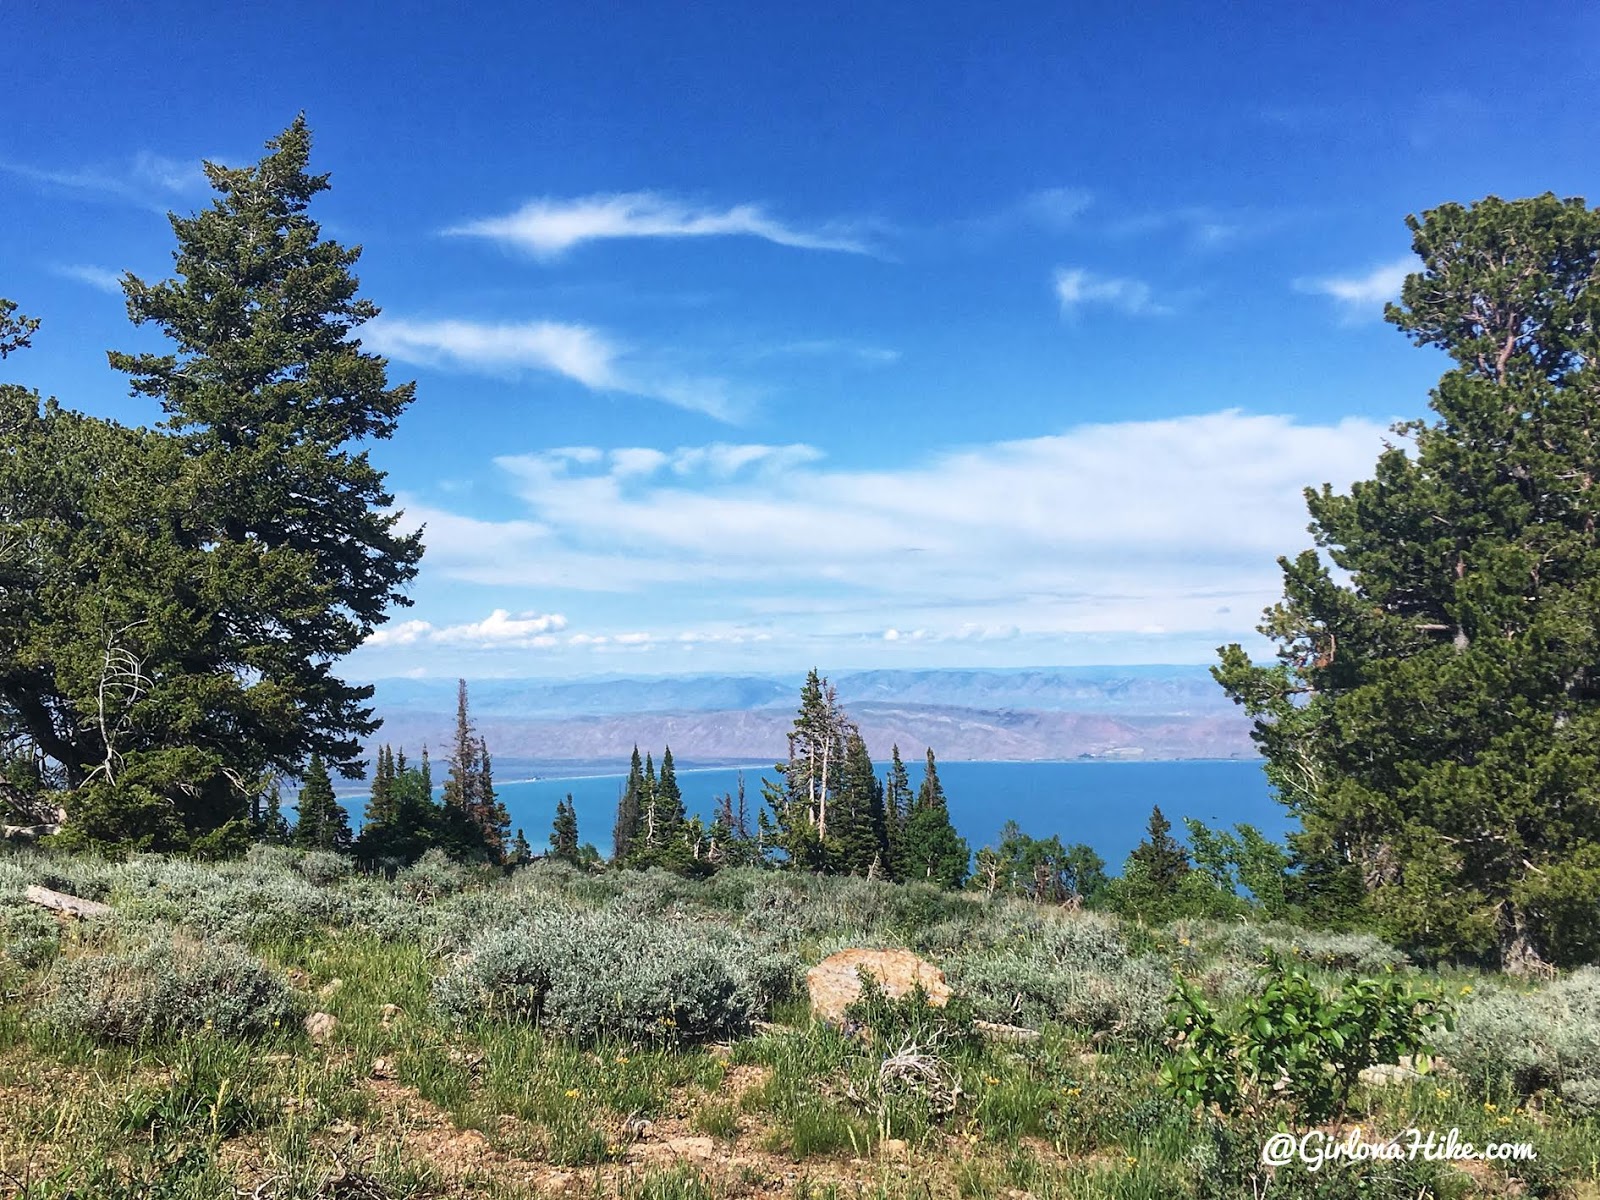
{"x":799,"y":805}
{"x":933,"y":849}
{"x":625,"y":830}
{"x":521,"y":852}
{"x":896,"y":808}
{"x":268,"y":392}
{"x":564,"y":833}
{"x":380,"y":807}
{"x":322,"y":823}
{"x":668,"y":799}
{"x":857,"y":841}
{"x":409,"y":822}
{"x":461,"y":784}
{"x":668,"y":841}
{"x":274,"y":825}
{"x":491,"y":817}
{"x":1161,"y":860}
{"x":647,"y":808}
{"x":1433,"y":717}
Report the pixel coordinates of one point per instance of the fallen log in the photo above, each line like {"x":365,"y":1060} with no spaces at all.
{"x":62,"y":903}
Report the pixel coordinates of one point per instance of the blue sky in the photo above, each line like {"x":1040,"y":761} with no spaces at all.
{"x":755,"y":336}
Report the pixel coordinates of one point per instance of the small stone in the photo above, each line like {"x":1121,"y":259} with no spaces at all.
{"x":327,"y":990}
{"x":320,"y":1026}
{"x":894,"y":1148}
{"x":383,"y":1068}
{"x":390,"y":1014}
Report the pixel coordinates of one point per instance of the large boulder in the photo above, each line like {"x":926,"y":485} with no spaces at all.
{"x":835,"y":982}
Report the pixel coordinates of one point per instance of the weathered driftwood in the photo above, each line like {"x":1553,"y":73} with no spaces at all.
{"x":45,"y":817}
{"x":63,"y":903}
{"x":1005,"y":1033}
{"x":27,"y":833}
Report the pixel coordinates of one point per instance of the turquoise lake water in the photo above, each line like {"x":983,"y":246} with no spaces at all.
{"x":1104,"y":804}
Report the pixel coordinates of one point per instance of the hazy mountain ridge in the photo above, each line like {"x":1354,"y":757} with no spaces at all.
{"x":1144,"y":689}
{"x":1109,"y":712}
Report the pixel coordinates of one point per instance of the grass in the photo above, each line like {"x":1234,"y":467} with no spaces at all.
{"x":403,"y":1102}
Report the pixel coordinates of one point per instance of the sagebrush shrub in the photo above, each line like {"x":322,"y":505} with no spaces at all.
{"x":168,"y":986}
{"x":28,"y":937}
{"x":1126,"y":999}
{"x":323,"y":867}
{"x":610,"y":974}
{"x":1549,"y":1038}
{"x":1363,"y":953}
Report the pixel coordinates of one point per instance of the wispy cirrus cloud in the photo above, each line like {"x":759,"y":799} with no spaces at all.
{"x":1199,"y":227}
{"x":547,"y":228}
{"x":1078,"y":289}
{"x":843,"y":348}
{"x":577,"y":352}
{"x":1362,"y":294}
{"x":98,"y":278}
{"x":149,"y":180}
{"x":1053,"y":209}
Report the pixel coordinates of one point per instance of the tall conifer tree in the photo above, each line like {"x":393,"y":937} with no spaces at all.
{"x":933,"y":849}
{"x":322,"y":823}
{"x":1433,"y":717}
{"x":625,"y":831}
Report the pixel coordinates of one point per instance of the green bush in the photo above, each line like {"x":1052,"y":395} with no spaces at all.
{"x":168,"y":986}
{"x":1294,"y":1043}
{"x":610,"y":974}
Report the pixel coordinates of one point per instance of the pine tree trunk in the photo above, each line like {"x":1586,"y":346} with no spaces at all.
{"x":1519,"y":949}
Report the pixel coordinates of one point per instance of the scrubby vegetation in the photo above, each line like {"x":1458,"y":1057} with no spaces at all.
{"x":641,"y":1033}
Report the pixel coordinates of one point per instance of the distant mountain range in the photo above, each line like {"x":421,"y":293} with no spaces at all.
{"x":548,"y":726}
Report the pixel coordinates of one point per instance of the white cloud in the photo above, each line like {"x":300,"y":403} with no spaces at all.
{"x":1077,"y":289}
{"x":547,"y":228}
{"x":577,"y":352}
{"x":403,"y":633}
{"x":498,"y":629}
{"x":1363,"y":294}
{"x":98,"y":278}
{"x":1106,"y":529}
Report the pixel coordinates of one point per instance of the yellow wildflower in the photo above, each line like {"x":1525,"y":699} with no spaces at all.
{"x":573,"y":1093}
